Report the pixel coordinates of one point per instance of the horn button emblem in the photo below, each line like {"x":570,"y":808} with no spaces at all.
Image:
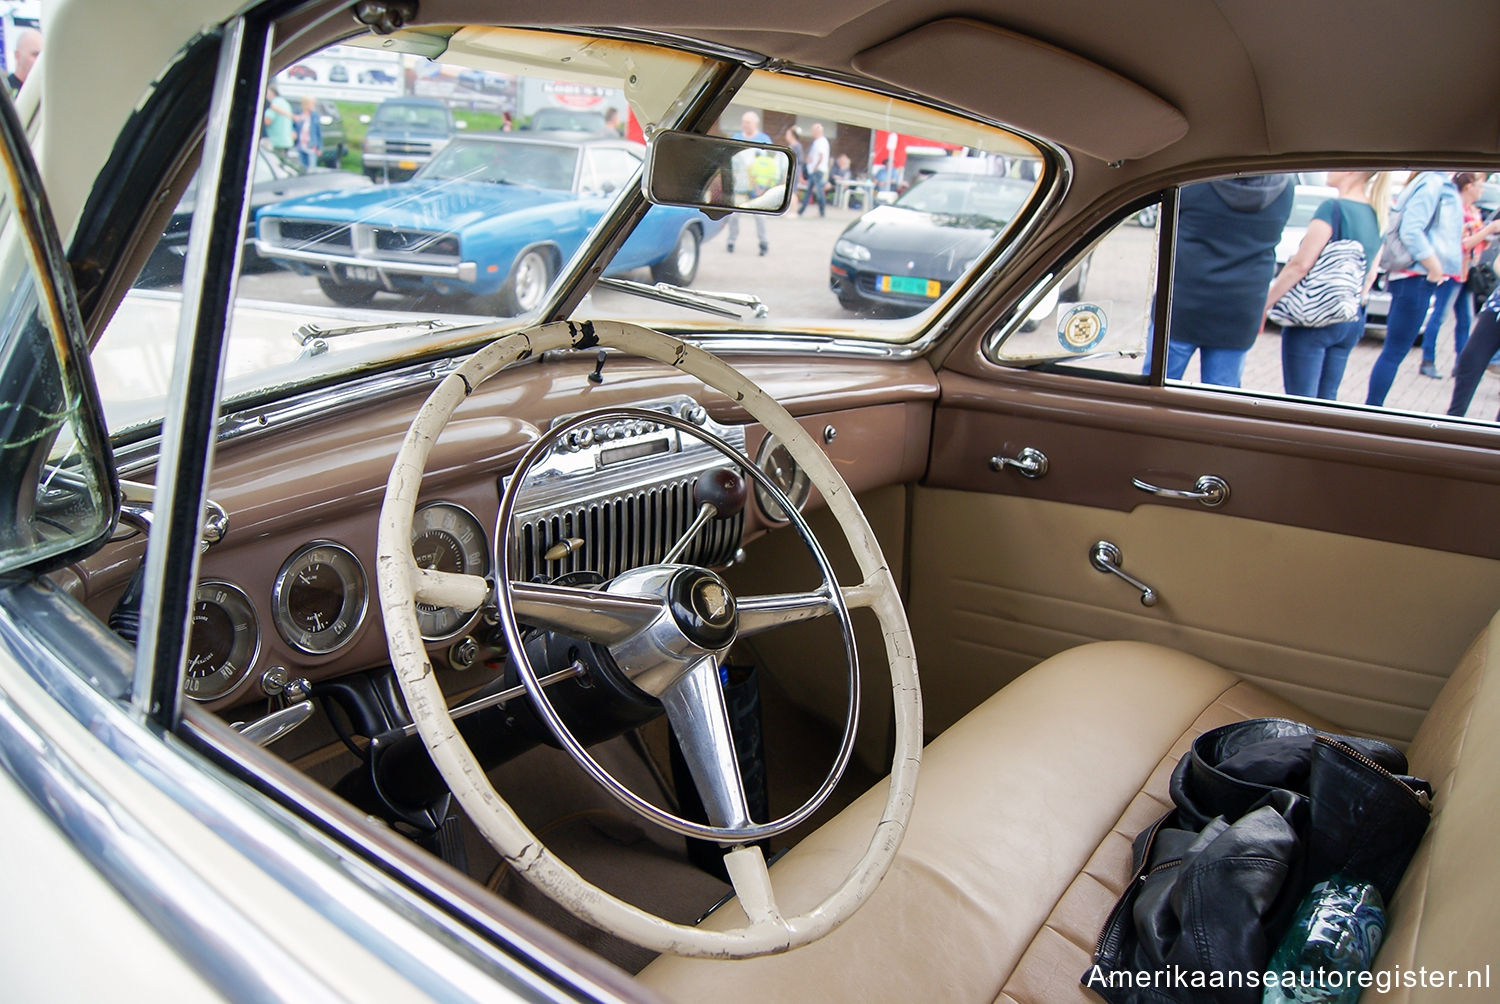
{"x":713,"y":602}
{"x":703,"y":608}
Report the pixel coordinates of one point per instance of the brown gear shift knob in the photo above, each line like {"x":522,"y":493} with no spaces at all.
{"x":724,"y":489}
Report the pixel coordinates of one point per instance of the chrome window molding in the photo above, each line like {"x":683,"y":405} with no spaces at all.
{"x":41,"y":630}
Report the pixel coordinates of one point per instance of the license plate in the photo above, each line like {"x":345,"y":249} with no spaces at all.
{"x":361,"y":273}
{"x":407,"y":165}
{"x":908,"y":284}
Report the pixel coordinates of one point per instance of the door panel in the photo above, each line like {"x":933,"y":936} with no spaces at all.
{"x":1348,"y":569}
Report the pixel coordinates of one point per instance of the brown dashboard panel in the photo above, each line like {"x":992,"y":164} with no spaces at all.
{"x":1370,"y":476}
{"x":323,"y":480}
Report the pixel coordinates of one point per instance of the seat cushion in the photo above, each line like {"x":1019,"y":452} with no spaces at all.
{"x":1018,"y":846}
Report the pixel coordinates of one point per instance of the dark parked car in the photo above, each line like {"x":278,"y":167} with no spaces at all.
{"x":275,"y":179}
{"x":899,"y":258}
{"x":491,"y":217}
{"x":404,"y":135}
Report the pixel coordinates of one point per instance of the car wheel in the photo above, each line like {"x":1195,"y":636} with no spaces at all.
{"x":346,"y":294}
{"x":527,"y":285}
{"x":1147,"y":216}
{"x":681,"y":265}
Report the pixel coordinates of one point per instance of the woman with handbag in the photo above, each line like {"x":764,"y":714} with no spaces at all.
{"x":1319,"y":295}
{"x":1475,"y":235}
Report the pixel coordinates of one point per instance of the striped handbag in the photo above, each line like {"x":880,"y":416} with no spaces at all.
{"x":1329,"y":293}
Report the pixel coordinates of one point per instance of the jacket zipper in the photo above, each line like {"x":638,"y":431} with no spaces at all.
{"x":1107,"y":944}
{"x":1420,"y":797}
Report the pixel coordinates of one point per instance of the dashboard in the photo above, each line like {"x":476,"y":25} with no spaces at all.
{"x":288,"y":593}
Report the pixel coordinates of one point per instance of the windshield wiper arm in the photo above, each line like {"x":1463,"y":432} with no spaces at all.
{"x":698,"y":299}
{"x":314,"y":338}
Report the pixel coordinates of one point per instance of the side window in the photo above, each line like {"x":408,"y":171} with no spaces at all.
{"x":1096,"y":314}
{"x":1322,"y":307}
{"x":1288,"y":285}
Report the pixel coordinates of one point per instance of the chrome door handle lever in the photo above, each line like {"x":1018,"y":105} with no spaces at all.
{"x":1210,"y":489}
{"x":1106,"y":557}
{"x":1030,"y":462}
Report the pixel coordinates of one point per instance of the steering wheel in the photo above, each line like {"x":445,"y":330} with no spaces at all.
{"x":668,"y":626}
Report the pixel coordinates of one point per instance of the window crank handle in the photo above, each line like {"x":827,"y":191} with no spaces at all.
{"x":1030,"y":462}
{"x":1106,"y":557}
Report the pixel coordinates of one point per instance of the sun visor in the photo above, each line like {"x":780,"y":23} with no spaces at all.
{"x":1029,"y":84}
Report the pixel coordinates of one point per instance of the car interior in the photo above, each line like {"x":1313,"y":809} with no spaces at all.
{"x":990,"y":579}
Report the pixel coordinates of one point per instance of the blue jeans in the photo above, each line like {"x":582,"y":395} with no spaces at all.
{"x":1216,"y":366}
{"x":1463,"y":308}
{"x":1313,"y":359}
{"x":1409,"y":300}
{"x":817,"y":188}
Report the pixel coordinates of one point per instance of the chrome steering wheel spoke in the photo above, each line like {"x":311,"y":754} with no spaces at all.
{"x":591,"y":614}
{"x":695,"y":708}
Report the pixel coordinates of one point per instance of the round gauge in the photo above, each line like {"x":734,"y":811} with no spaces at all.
{"x":448,"y":538}
{"x":319,"y":597}
{"x":776,"y":461}
{"x":223,"y":642}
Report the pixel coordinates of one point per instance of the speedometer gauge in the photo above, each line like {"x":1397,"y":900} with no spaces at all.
{"x":223,"y":642}
{"x":776,"y":460}
{"x":319,"y":596}
{"x":448,"y":538}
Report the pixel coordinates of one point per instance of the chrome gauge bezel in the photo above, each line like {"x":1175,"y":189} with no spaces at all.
{"x":234,"y":669}
{"x":797,"y":492}
{"x":444,"y":623}
{"x":354,"y":602}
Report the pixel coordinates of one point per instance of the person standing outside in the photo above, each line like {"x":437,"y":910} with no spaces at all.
{"x":1431,"y":228}
{"x":1313,"y":359}
{"x":1469,"y":369}
{"x":28,"y":48}
{"x":1476,"y":234}
{"x":1227,"y":231}
{"x":280,"y":123}
{"x":750,"y":131}
{"x":309,"y":132}
{"x":817,"y":172}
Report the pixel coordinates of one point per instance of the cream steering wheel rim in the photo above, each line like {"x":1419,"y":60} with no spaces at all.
{"x":401,"y":583}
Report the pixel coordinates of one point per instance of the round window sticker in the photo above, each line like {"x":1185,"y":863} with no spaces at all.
{"x":1081,"y":328}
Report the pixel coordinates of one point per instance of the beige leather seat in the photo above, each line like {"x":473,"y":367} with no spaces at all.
{"x":1020,"y":842}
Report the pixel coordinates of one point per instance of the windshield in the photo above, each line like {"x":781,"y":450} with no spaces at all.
{"x":372,"y":243}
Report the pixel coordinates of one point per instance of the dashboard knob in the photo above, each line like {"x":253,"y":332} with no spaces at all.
{"x":722,"y":488}
{"x":698,"y":415}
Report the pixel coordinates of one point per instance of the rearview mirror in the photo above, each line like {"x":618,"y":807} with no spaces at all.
{"x":717,"y":175}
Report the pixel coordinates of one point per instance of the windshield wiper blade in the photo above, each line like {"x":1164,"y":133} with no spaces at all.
{"x":698,"y":299}
{"x":314,"y":338}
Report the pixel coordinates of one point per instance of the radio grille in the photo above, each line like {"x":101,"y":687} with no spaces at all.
{"x":623,"y":531}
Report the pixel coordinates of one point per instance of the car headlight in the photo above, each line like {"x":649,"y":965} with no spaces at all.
{"x":850,"y":250}
{"x":374,"y":144}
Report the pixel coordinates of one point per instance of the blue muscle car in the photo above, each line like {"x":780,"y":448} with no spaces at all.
{"x":490,"y":218}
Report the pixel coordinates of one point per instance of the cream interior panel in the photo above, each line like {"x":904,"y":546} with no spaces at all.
{"x":1359,"y":631}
